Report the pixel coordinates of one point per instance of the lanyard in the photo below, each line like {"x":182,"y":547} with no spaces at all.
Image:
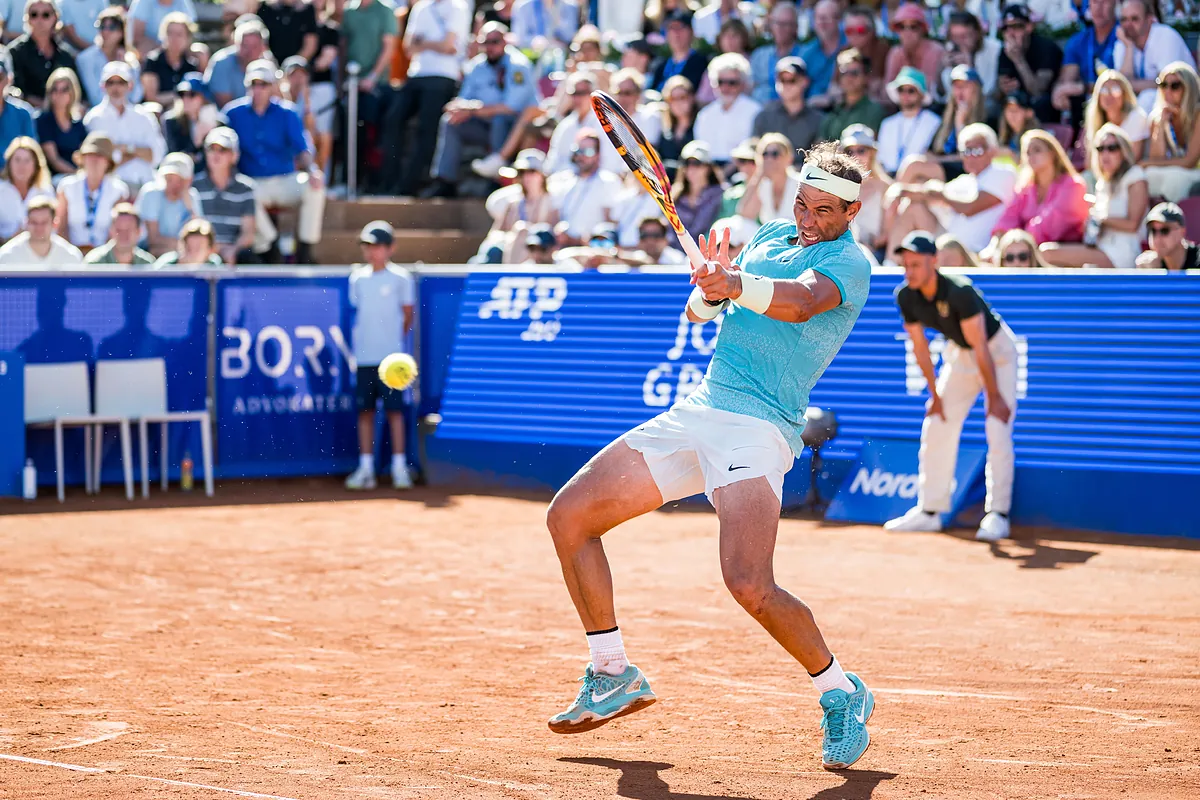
{"x":673,"y":67}
{"x":92,"y":203}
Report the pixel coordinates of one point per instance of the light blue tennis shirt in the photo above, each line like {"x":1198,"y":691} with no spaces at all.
{"x":765,"y":368}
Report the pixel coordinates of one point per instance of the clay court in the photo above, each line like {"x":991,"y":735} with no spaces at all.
{"x":414,"y":648}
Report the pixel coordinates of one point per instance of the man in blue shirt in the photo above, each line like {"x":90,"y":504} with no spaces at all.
{"x":278,"y":155}
{"x":1087,"y":54}
{"x":497,"y":86}
{"x":226,"y":75}
{"x":784,"y":25}
{"x":683,"y":59}
{"x":789,"y":304}
{"x":820,"y":55}
{"x":16,"y":117}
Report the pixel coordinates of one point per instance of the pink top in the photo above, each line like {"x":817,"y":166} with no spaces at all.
{"x":1058,"y":218}
{"x":930,"y":60}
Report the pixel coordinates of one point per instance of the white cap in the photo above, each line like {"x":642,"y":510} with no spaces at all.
{"x":261,"y":70}
{"x":116,"y":69}
{"x":177,"y":164}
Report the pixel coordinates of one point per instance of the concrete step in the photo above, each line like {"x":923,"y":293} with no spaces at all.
{"x":420,"y":244}
{"x":435,"y":214}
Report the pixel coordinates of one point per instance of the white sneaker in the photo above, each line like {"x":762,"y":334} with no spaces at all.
{"x":361,"y":479}
{"x":915,"y":521}
{"x":993,"y":528}
{"x":489,"y":166}
{"x":401,"y":479}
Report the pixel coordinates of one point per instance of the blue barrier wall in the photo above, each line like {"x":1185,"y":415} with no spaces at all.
{"x":12,"y":425}
{"x":85,"y":318}
{"x":548,"y":367}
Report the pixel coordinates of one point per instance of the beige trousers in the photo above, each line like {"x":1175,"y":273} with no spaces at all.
{"x":287,"y":191}
{"x":959,"y":384}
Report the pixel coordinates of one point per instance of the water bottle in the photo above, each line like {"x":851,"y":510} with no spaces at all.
{"x":1091,"y":231}
{"x":185,"y":472}
{"x":29,"y":480}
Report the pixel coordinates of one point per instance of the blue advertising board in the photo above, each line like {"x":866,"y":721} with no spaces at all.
{"x":88,"y":318}
{"x":12,"y":422}
{"x":284,"y":383}
{"x":547,"y":367}
{"x":882,"y":483}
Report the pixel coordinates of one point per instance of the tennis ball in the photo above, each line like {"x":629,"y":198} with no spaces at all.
{"x":398,"y":371}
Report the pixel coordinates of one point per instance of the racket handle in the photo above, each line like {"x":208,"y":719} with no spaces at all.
{"x":692,"y":250}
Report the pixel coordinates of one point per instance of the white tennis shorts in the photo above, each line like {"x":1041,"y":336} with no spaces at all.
{"x":691,"y":449}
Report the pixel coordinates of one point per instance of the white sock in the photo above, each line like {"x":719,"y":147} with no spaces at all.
{"x":367,"y":463}
{"x":608,"y":651}
{"x":832,"y":677}
{"x":399,"y":462}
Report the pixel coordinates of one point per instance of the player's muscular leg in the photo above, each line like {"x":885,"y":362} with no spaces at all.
{"x":749,"y":515}
{"x":613,"y":487}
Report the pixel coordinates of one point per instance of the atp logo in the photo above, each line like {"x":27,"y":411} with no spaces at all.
{"x":671,"y":381}
{"x":538,"y":297}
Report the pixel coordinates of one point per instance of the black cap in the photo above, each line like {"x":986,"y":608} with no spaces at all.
{"x":377,"y":232}
{"x":919,"y":242}
{"x":679,"y":15}
{"x":1020,"y":97}
{"x":1015,"y":12}
{"x":1166,"y":212}
{"x":540,"y":235}
{"x":638,"y":44}
{"x":793,"y":64}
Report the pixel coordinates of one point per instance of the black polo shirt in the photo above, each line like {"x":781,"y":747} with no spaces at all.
{"x":287,"y":25}
{"x":168,"y":76}
{"x":31,"y":69}
{"x":956,"y":299}
{"x":1043,"y":54}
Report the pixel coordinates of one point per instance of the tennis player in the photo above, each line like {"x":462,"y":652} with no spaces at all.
{"x":790,"y":300}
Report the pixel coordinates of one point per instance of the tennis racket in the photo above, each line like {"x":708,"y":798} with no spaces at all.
{"x":647,"y":167}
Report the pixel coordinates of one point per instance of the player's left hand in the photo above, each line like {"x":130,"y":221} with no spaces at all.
{"x":996,"y":407}
{"x":721,"y":281}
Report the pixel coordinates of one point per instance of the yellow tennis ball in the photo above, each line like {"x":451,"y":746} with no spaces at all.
{"x":398,"y":371}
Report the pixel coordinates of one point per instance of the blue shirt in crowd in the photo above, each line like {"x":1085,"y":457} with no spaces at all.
{"x":508,"y":81}
{"x":152,"y":12}
{"x":820,"y":66}
{"x":17,"y":120}
{"x":225,"y":74}
{"x":171,"y":215}
{"x":82,"y":16}
{"x":270,"y":142}
{"x":1084,"y":51}
{"x":762,"y":69}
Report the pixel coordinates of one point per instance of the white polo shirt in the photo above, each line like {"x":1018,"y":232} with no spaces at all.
{"x":17,"y":252}
{"x":558,"y":154}
{"x":130,"y":128}
{"x":583,"y":203}
{"x":901,"y":136}
{"x":432,"y":20}
{"x":1163,"y":45}
{"x":708,"y":20}
{"x":725,"y":128}
{"x":379,"y":298}
{"x":975,"y":232}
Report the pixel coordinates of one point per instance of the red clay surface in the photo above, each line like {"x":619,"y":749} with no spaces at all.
{"x":414,"y":648}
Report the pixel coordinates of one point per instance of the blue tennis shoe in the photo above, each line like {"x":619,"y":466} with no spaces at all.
{"x":603,"y":698}
{"x":845,"y":724}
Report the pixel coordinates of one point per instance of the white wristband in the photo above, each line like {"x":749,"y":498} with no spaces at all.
{"x":702,"y":309}
{"x":757,"y":293}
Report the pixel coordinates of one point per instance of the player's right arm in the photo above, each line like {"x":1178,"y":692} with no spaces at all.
{"x":920,"y":345}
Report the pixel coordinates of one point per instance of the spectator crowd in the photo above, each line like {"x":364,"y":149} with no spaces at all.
{"x":1062,"y":132}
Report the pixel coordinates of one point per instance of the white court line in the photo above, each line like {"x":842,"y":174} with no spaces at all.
{"x":525,"y":787}
{"x":78,"y":768}
{"x":45,"y":763}
{"x":272,"y":732}
{"x":102,"y":738}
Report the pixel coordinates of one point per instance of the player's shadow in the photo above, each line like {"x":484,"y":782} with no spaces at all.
{"x":640,"y":780}
{"x":1032,"y":554}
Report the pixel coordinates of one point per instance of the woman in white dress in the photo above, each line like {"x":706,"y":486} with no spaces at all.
{"x":25,"y":177}
{"x":1113,"y":100}
{"x":86,"y":199}
{"x":1113,"y":235}
{"x":771,"y":191}
{"x":1174,"y":150}
{"x":858,"y":142}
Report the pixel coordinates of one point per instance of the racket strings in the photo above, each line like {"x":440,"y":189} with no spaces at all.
{"x":635,"y":157}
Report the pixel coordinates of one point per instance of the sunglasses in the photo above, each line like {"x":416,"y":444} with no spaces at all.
{"x":1129,"y":20}
{"x":586,"y":152}
{"x":628,"y":93}
{"x":786,"y":80}
{"x":852,"y":73}
{"x":910,"y":26}
{"x":1160,"y":230}
{"x":652,"y":235}
{"x":41,"y":14}
{"x":1108,"y":148}
{"x":535,"y":248}
{"x":679,"y":98}
{"x":1018,"y":258}
{"x":116,"y":82}
{"x":694,"y":162}
{"x":772,"y":153}
{"x":972,"y":152}
{"x":729,"y":81}
{"x":907,"y":90}
{"x":1114,"y":89}
{"x":856,"y":30}
{"x":62,"y":88}
{"x":493,"y":41}
{"x":1170,"y":86}
{"x":858,"y":151}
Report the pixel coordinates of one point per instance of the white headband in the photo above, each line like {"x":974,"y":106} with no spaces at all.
{"x":838,"y":187}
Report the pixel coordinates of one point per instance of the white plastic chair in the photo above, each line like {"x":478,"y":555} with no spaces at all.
{"x":137,"y":388}
{"x":58,"y":396}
